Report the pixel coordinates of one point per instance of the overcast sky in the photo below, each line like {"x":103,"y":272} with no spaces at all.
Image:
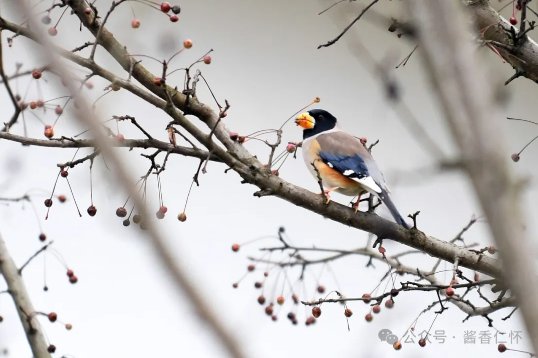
{"x":265,"y":62}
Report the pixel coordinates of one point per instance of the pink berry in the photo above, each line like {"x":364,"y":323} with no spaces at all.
{"x":207,"y":59}
{"x":135,"y":23}
{"x":174,"y":18}
{"x":53,"y":31}
{"x":187,"y":43}
{"x":36,"y":74}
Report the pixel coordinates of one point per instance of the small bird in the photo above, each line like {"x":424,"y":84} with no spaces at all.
{"x":341,"y":161}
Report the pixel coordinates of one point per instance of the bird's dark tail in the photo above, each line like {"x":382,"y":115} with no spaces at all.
{"x":392,"y":208}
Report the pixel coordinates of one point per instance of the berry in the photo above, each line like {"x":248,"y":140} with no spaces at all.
{"x":165,"y":7}
{"x":182,"y":216}
{"x":492,"y":250}
{"x":394,"y":292}
{"x":389,"y":303}
{"x":295,"y":298}
{"x":207,"y":59}
{"x":163,"y":209}
{"x":235,"y":247}
{"x":449,"y":291}
{"x":157,"y":81}
{"x":64,"y":173}
{"x":513,"y":20}
{"x":174,"y":18}
{"x":135,"y":23}
{"x":348,"y":313}
{"x":68,"y":326}
{"x":115,"y":86}
{"x":119,"y":137}
{"x":49,"y":131}
{"x":397,"y":345}
{"x":48,"y":203}
{"x":269,"y":310}
{"x":70,"y":273}
{"x":42,"y":237}
{"x":316,"y":311}
{"x":291,"y":316}
{"x":515,"y":157}
{"x":234,"y":136}
{"x":280,"y":300}
{"x":381,"y":250}
{"x":52,"y":316}
{"x":376,"y":308}
{"x":45,"y":20}
{"x":121,"y":212}
{"x":258,"y":284}
{"x":33,"y":105}
{"x":241,"y":139}
{"x":62,"y":198}
{"x":40,"y":103}
{"x":321,"y":289}
{"x":36,"y":74}
{"x":291,"y":147}
{"x":137,"y":218}
{"x":73,"y":279}
{"x":187,"y":43}
{"x":366,"y":298}
{"x":501,"y":347}
{"x":176,"y":9}
{"x":251,"y":267}
{"x":368,"y":317}
{"x":235,"y":285}
{"x":92,"y":210}
{"x":58,"y":110}
{"x":53,"y":31}
{"x":126,"y":222}
{"x":88,"y":10}
{"x":422,"y":342}
{"x":159,"y":214}
{"x":261,"y":300}
{"x":51,"y":348}
{"x":310,"y":320}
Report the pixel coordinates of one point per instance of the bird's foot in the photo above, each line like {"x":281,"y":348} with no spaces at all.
{"x":327,"y":195}
{"x":355,"y":205}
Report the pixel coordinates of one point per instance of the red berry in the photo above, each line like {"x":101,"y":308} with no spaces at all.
{"x":70,"y":273}
{"x":397,"y":345}
{"x":135,"y":23}
{"x":36,"y":74}
{"x":501,"y":347}
{"x":52,"y":316}
{"x":48,"y":203}
{"x":251,"y":267}
{"x":261,"y":299}
{"x":368,"y":317}
{"x":73,"y":279}
{"x":316,"y":311}
{"x":187,"y":43}
{"x":62,"y":198}
{"x":513,"y":20}
{"x":235,"y":247}
{"x":449,"y":291}
{"x":422,"y":342}
{"x":207,"y":59}
{"x":269,"y":310}
{"x":348,"y":313}
{"x":33,"y":105}
{"x":182,"y":217}
{"x":241,"y":139}
{"x":40,"y":103}
{"x":376,"y":308}
{"x":42,"y":237}
{"x":49,"y":131}
{"x":389,"y":303}
{"x":58,"y":110}
{"x":53,"y":31}
{"x":174,"y":18}
{"x":165,"y":7}
{"x":381,"y":250}
{"x":366,"y":298}
{"x":321,"y":289}
{"x":280,"y":300}
{"x":92,"y":210}
{"x":64,"y":173}
{"x":121,"y":212}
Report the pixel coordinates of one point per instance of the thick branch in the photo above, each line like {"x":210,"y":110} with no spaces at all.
{"x":475,"y":122}
{"x":23,"y":304}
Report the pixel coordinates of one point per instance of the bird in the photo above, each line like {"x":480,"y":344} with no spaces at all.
{"x":341,"y":161}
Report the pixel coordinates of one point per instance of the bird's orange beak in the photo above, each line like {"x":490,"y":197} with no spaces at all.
{"x":305,"y":120}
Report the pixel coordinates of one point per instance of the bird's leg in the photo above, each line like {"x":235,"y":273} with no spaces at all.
{"x":356,"y":204}
{"x":327,"y":194}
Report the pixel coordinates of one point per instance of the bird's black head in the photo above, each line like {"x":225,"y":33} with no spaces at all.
{"x":315,"y":121}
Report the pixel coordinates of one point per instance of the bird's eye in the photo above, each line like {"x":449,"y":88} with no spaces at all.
{"x":321,"y":117}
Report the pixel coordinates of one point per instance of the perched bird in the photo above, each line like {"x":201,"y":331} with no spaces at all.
{"x":341,"y":161}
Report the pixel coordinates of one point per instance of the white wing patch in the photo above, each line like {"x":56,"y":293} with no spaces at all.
{"x":369,"y":184}
{"x":349,"y":172}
